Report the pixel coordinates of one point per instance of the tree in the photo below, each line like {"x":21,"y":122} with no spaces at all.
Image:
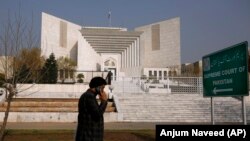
{"x":24,"y":74}
{"x":66,"y":63}
{"x":1,"y":79}
{"x":66,"y":67}
{"x":27,"y":64}
{"x":248,"y":62}
{"x":49,"y":70}
{"x":15,"y":35}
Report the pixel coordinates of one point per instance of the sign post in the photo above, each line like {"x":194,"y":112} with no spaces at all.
{"x":225,"y":72}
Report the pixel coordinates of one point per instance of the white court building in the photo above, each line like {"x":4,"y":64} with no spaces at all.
{"x":125,"y":53}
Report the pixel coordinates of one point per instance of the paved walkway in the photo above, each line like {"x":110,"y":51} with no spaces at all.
{"x":72,"y":126}
{"x":107,"y":125}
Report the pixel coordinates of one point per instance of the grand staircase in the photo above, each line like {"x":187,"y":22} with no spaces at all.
{"x":178,"y":108}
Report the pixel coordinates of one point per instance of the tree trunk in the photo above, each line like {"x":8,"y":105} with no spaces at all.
{"x":6,"y":115}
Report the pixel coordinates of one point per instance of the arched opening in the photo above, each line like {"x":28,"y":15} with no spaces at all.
{"x":110,"y":64}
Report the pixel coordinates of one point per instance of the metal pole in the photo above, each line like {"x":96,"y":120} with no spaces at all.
{"x":212,"y":111}
{"x":244,"y":118}
{"x":168,"y":91}
{"x":123,"y":85}
{"x":109,"y":17}
{"x":168,"y":83}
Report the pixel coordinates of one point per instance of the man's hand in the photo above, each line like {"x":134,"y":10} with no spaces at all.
{"x":103,"y":96}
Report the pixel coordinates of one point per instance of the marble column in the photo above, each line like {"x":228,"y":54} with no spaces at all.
{"x":138,"y":51}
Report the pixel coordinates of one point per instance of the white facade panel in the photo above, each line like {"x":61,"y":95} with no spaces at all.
{"x":50,"y":37}
{"x":169,"y":52}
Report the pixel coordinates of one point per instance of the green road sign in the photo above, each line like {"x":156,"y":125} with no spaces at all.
{"x":225,"y":72}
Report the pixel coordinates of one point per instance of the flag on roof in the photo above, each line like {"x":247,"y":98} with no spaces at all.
{"x":109,"y":14}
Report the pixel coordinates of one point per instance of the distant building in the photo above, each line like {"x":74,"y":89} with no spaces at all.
{"x":125,"y":53}
{"x":192,"y":69}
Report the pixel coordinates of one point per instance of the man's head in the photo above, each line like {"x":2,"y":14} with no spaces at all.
{"x":97,"y":84}
{"x":97,"y":81}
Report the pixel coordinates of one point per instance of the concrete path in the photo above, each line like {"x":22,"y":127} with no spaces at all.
{"x":72,"y":126}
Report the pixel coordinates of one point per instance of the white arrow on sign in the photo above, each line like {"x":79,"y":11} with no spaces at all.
{"x":215,"y":91}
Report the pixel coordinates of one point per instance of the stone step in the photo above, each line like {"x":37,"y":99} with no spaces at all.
{"x":183,"y":119}
{"x":45,"y":99}
{"x":196,"y":118}
{"x":183,"y":113}
{"x":48,"y":109}
{"x":42,"y":104}
{"x":47,"y":105}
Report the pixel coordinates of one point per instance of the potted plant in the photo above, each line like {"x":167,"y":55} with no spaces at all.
{"x":80,"y":78}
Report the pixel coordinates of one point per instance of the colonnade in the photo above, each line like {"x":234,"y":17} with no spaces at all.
{"x":131,"y":56}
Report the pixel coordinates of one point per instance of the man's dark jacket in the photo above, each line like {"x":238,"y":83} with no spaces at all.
{"x":90,"y":118}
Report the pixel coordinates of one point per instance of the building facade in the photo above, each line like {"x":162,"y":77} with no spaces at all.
{"x":125,"y":53}
{"x":192,"y":69}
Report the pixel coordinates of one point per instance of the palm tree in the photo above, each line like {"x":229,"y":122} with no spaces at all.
{"x":66,"y":67}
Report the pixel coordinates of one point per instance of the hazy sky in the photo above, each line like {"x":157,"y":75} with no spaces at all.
{"x":206,"y":25}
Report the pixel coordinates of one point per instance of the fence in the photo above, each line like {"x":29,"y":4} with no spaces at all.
{"x":147,"y":85}
{"x":72,"y":76}
{"x":186,"y":84}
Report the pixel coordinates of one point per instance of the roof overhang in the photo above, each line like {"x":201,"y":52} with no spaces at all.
{"x":109,"y":40}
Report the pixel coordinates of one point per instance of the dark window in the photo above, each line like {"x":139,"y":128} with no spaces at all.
{"x":150,"y":73}
{"x":165,"y":74}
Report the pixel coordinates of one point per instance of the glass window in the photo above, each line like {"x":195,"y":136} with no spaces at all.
{"x":165,"y":74}
{"x":150,"y":73}
{"x":155,"y":73}
{"x":160,"y":74}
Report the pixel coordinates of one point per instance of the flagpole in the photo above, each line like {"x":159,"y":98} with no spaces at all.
{"x":109,"y":16}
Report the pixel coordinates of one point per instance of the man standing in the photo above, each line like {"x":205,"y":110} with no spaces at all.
{"x":108,"y":78}
{"x":90,"y":118}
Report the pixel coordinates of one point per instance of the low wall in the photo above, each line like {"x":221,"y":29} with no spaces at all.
{"x":52,"y":90}
{"x":52,"y":117}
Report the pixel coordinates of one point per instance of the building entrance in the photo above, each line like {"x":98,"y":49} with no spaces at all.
{"x":113,"y":71}
{"x":110,"y":65}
